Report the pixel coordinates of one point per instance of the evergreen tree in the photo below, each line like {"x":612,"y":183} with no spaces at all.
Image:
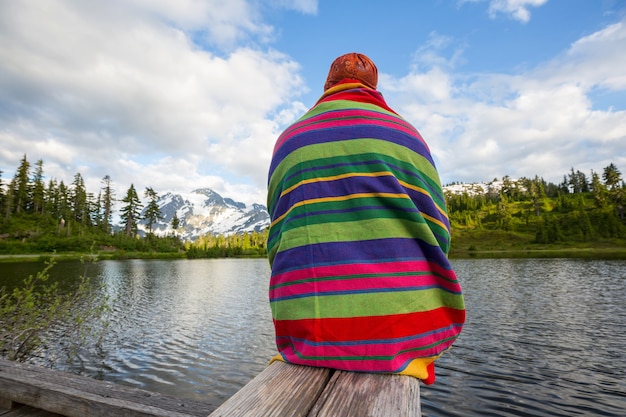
{"x":97,"y":212}
{"x":153,"y":212}
{"x":131,"y":211}
{"x":52,"y":199}
{"x":612,"y":177}
{"x":108,"y":197}
{"x":20,"y":187}
{"x":535,"y":189}
{"x":38,"y":189}
{"x":598,"y":190}
{"x":578,"y":182}
{"x":564,"y":186}
{"x":79,"y":201}
{"x":613,"y":181}
{"x":64,"y":209}
{"x":175,"y":222}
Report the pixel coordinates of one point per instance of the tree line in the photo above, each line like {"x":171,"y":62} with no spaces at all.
{"x":38,"y":216}
{"x":579,"y":209}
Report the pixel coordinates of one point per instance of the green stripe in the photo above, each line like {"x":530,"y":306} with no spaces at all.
{"x":366,"y":304}
{"x":370,"y":229}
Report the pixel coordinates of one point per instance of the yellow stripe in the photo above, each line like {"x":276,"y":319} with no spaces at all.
{"x":353,"y":196}
{"x":340,"y":198}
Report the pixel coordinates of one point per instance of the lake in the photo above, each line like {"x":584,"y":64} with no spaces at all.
{"x":544,"y":337}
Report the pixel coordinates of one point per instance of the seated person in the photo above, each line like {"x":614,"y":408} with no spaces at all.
{"x":359,"y":236}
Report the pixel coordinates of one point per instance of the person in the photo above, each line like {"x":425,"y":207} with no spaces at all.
{"x":359,"y":236}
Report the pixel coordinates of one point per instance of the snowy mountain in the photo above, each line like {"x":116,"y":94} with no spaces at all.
{"x":202,"y":212}
{"x":477,"y":188}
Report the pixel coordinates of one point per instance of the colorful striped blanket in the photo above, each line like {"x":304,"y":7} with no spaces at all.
{"x":358,"y":241}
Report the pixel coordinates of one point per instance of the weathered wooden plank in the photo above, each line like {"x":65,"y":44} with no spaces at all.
{"x":26,"y":411}
{"x":280,"y":390}
{"x":77,"y":396}
{"x":5,"y":404}
{"x":354,"y":394}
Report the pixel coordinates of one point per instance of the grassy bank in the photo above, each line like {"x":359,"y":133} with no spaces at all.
{"x":492,"y":244}
{"x":501,"y":244}
{"x":75,"y":256}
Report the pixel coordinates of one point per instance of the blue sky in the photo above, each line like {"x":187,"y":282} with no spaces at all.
{"x":183,"y":94}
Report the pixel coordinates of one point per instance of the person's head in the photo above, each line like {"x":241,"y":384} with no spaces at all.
{"x":353,"y":66}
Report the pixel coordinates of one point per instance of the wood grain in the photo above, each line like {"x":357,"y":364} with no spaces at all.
{"x":77,"y":396}
{"x":291,"y":390}
{"x":280,"y":390}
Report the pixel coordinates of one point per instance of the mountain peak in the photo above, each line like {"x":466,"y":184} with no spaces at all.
{"x":203,"y":211}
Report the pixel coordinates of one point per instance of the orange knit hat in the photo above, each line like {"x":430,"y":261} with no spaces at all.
{"x":354,"y":66}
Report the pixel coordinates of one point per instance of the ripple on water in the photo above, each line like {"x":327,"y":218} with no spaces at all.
{"x":543,"y":337}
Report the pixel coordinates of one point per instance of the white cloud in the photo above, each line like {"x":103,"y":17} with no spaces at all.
{"x":117,"y":84}
{"x":516,"y":9}
{"x":540,"y":122}
{"x":183,"y":95}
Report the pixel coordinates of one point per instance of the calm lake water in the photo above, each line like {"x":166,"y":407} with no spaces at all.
{"x":544,"y":337}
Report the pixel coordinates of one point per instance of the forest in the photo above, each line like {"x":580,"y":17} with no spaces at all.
{"x":38,"y":217}
{"x":532,"y":214}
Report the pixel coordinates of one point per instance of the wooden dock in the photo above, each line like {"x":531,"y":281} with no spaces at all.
{"x":280,"y":390}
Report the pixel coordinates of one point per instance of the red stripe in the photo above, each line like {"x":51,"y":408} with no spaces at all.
{"x":370,"y":327}
{"x":361,"y":95}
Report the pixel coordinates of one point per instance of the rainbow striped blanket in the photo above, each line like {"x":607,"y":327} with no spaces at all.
{"x":358,"y":241}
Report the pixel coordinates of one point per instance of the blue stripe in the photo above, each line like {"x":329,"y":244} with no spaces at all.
{"x":363,"y":251}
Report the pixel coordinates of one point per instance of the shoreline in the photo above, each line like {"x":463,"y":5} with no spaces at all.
{"x":618,"y":253}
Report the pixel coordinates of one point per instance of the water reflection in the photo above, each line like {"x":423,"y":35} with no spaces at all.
{"x":544,"y":337}
{"x":541,"y":339}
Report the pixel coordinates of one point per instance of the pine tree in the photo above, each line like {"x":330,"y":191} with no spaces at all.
{"x":153,"y":212}
{"x":20,"y":187}
{"x":612,"y":177}
{"x":38,"y":189}
{"x":598,"y":190}
{"x":108,"y":197}
{"x":64,"y":209}
{"x":613,"y":181}
{"x":79,"y":202}
{"x":175,"y":222}
{"x":131,"y":212}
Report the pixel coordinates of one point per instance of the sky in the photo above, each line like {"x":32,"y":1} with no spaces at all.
{"x":185,"y":94}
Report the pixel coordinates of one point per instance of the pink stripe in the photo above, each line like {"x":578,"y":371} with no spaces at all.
{"x":375,"y":348}
{"x":394,"y":365}
{"x":319,"y":122}
{"x":321,"y":287}
{"x":360,"y":268}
